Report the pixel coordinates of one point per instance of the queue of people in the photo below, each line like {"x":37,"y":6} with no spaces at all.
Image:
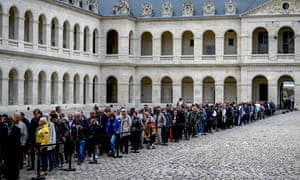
{"x":57,"y":138}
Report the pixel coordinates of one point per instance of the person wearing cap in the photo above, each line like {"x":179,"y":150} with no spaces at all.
{"x":113,"y":130}
{"x":125,"y":130}
{"x":42,"y":138}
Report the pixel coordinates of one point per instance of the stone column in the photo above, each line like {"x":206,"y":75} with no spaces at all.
{"x":20,"y":92}
{"x":156,"y":49}
{"x":198,"y":92}
{"x":48,"y":36}
{"x":238,"y":93}
{"x":297,"y":47}
{"x":176,"y":49}
{"x":219,"y":49}
{"x":297,"y":96}
{"x":71,"y":40}
{"x":219,"y":92}
{"x":71,"y":92}
{"x":34,"y":91}
{"x":81,"y":40}
{"x":198,"y":49}
{"x":4,"y":91}
{"x":272,"y":91}
{"x":102,"y":92}
{"x":123,"y":92}
{"x":136,"y":92}
{"x":89,"y":99}
{"x":123,"y":48}
{"x":80,"y":92}
{"x":60,"y":91}
{"x":35,"y":34}
{"x":5,"y":28}
{"x":20,"y":32}
{"x":273,"y":47}
{"x":90,"y":38}
{"x":60,"y":39}
{"x":156,"y":93}
{"x":48,"y":91}
{"x":176,"y":91}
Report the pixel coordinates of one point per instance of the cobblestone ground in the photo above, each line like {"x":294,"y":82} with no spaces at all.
{"x":267,"y":149}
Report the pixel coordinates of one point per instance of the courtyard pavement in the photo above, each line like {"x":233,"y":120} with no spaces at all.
{"x":266,"y":149}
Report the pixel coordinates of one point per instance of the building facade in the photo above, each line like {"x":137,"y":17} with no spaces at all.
{"x":77,"y":53}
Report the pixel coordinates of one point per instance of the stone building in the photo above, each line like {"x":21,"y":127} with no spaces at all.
{"x":76,"y":53}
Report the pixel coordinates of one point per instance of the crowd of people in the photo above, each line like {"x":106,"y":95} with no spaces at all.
{"x":58,"y":137}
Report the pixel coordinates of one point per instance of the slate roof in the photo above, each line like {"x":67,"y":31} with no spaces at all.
{"x":106,"y":7}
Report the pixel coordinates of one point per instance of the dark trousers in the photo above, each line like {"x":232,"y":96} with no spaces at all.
{"x":135,"y":140}
{"x":44,"y":158}
{"x":175,"y":132}
{"x":164,"y":135}
{"x":124,"y":143}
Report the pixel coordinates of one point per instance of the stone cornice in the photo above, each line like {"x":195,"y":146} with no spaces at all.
{"x":161,"y":64}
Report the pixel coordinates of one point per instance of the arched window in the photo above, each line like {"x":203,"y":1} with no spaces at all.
{"x":42,"y":81}
{"x":76,"y":89}
{"x":208,"y":90}
{"x":187,"y":43}
{"x":86,"y":39}
{"x":54,"y":88}
{"x":42,"y":29}
{"x":230,"y":42}
{"x":130,"y":43}
{"x":187,"y":87}
{"x":86,"y":89}
{"x":166,"y":43}
{"x":13,"y":23}
{"x":95,"y":89}
{"x":76,"y":37}
{"x":28,"y":87}
{"x":28,"y":27}
{"x":66,"y":88}
{"x":230,"y":90}
{"x":209,"y":43}
{"x":260,"y":41}
{"x":166,"y":90}
{"x":13,"y":90}
{"x":112,"y":42}
{"x":286,"y":40}
{"x":112,"y":90}
{"x":130,"y":90}
{"x":66,"y":35}
{"x":146,"y":44}
{"x":54,"y":32}
{"x":146,"y":90}
{"x":95,"y":42}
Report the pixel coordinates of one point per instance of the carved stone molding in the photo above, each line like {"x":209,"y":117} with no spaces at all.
{"x":230,"y":8}
{"x":187,"y":9}
{"x":209,"y":8}
{"x":147,"y":10}
{"x":94,"y":4}
{"x":123,"y":8}
{"x":167,"y":9}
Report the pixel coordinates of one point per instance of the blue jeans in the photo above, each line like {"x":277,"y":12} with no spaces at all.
{"x":113,"y":142}
{"x":202,"y":126}
{"x":81,"y":151}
